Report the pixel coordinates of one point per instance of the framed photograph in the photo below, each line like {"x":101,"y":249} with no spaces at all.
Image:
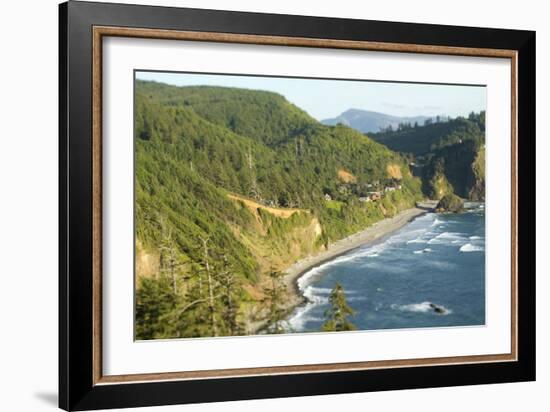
{"x":257,"y":205}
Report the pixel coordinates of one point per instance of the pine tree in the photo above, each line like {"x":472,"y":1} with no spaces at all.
{"x":229,"y":299}
{"x":274,"y":300}
{"x":339,"y":311}
{"x":154,"y":299}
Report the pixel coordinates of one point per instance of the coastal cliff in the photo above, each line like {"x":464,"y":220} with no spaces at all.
{"x":448,"y":155}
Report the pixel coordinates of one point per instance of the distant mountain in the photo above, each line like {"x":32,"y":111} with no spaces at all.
{"x":372,"y":122}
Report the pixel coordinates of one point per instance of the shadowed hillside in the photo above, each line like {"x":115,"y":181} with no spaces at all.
{"x":449,"y":156}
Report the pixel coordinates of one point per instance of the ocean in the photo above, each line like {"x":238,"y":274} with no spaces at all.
{"x":430,"y":273}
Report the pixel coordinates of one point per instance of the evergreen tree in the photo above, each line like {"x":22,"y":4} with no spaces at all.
{"x":229,"y":299}
{"x":274,"y":301}
{"x":154,"y":299}
{"x":339,"y":312}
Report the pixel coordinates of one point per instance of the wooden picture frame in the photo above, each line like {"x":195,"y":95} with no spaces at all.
{"x":83,"y":26}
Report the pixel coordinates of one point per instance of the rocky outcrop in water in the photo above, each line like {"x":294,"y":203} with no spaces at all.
{"x":450,"y":203}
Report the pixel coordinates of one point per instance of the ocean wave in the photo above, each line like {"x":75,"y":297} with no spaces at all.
{"x":426,"y":250}
{"x":308,"y":277}
{"x":447,"y":237}
{"x":468,"y":247}
{"x":315,"y":298}
{"x":437,"y":222}
{"x":417,"y":240}
{"x":369,"y":251}
{"x":475,"y":237}
{"x":407,"y":236}
{"x":301,"y":316}
{"x":423,"y":307}
{"x":320,"y":291}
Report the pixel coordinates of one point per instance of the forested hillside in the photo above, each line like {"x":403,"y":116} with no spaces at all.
{"x":233,"y":186}
{"x":449,"y":156}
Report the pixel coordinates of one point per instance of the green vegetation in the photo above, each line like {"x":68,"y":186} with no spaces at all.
{"x":432,"y":136}
{"x":449,"y":156}
{"x":231,"y":188}
{"x":339,"y":311}
{"x":275,"y":300}
{"x":450,"y":203}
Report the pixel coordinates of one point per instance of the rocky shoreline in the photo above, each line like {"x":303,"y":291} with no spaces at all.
{"x":373,"y":233}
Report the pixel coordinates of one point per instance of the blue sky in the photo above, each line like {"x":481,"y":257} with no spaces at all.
{"x":328,"y":98}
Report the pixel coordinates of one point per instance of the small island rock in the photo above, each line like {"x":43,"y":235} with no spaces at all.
{"x":450,"y":203}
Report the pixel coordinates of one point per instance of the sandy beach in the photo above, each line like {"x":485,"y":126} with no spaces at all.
{"x":369,"y":235}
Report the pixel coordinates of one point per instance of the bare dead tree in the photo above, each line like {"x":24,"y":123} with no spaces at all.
{"x":228,"y":285}
{"x":210,"y":282}
{"x":254,"y":190}
{"x":170,"y":262}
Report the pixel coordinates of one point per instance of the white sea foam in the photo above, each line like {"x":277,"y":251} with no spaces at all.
{"x":425,"y":250}
{"x":447,"y":237}
{"x":319,"y":291}
{"x":316,"y":298}
{"x":468,"y":247}
{"x":475,"y":237}
{"x":407,"y":236}
{"x":301,"y":314}
{"x":475,"y":208}
{"x":301,"y":317}
{"x":309,"y":276}
{"x":437,"y":222}
{"x":417,"y":240}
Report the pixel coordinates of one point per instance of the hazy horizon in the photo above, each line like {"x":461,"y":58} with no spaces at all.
{"x":328,"y":98}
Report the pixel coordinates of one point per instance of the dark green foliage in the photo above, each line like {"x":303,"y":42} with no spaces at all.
{"x":267,"y":116}
{"x":275,"y":297}
{"x":449,"y":156}
{"x":422,"y":140}
{"x":339,"y":311}
{"x":450,"y":203}
{"x":154,"y":299}
{"x":456,"y":163}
